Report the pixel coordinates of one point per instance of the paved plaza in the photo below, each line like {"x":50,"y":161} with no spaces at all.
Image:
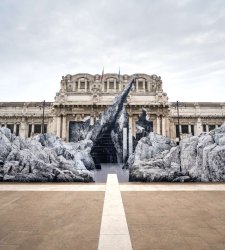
{"x":112,"y":215}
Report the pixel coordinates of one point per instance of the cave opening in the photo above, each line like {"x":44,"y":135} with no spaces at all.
{"x":103,"y":150}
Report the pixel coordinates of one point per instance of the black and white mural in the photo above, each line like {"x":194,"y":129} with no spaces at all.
{"x":45,"y":157}
{"x":78,"y":130}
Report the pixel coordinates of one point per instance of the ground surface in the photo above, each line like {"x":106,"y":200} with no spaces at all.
{"x":50,"y":220}
{"x":71,"y":216}
{"x":100,"y":175}
{"x":176,"y":220}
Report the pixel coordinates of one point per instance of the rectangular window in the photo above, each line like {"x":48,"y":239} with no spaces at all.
{"x":146,"y":87}
{"x":29,"y":130}
{"x":82,"y":85}
{"x":45,"y":128}
{"x":140,"y":85}
{"x":11,"y":127}
{"x":192,"y":130}
{"x":204,"y":127}
{"x":37,"y":128}
{"x":177,"y":131}
{"x":184,"y":129}
{"x":111,"y":85}
{"x":17,"y":129}
{"x":211,"y":127}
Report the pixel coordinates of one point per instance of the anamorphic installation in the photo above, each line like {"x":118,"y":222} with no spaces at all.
{"x":112,"y":119}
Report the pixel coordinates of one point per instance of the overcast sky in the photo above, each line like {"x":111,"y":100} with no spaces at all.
{"x":183,"y":41}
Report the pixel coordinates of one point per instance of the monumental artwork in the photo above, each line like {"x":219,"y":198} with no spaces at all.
{"x":141,"y":134}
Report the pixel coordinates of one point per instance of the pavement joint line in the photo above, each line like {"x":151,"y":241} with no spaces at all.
{"x":54,"y":187}
{"x":172,"y":188}
{"x":114,"y":233}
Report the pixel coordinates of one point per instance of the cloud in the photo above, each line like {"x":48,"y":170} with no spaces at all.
{"x":183,"y":41}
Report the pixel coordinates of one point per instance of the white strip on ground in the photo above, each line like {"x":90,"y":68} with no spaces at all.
{"x":123,"y":187}
{"x":114,"y":232}
{"x":53,"y":187}
{"x":174,"y":187}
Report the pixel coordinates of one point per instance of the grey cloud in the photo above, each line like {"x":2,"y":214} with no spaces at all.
{"x":181,"y":40}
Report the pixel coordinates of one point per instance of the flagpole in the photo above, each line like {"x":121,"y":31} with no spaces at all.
{"x":102,"y":74}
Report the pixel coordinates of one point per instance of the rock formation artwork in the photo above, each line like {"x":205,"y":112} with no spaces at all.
{"x":110,"y":124}
{"x":79,"y":130}
{"x":43,"y":158}
{"x":197,"y":158}
{"x":143,"y":127}
{"x":117,"y":133}
{"x":46,"y":157}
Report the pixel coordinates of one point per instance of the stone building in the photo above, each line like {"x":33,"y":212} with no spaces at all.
{"x":83,"y":97}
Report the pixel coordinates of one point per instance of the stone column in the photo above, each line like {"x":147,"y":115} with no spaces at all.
{"x":14,"y":128}
{"x":158,"y":125}
{"x":124,"y":144}
{"x":163,"y":126}
{"x":23,"y":131}
{"x":198,"y":127}
{"x":107,"y":85}
{"x":54,"y":125}
{"x":114,"y":85}
{"x":58,"y":127}
{"x":137,"y":85}
{"x":134,"y":126}
{"x":32,"y":129}
{"x":130,"y":136}
{"x":91,"y":119}
{"x":180,"y":129}
{"x":189,"y":128}
{"x":207,"y":128}
{"x":64,"y":128}
{"x":74,"y":86}
{"x":85,"y":88}
{"x":149,"y":86}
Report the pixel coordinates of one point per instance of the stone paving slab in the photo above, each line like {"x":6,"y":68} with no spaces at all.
{"x":50,"y":220}
{"x":176,"y":220}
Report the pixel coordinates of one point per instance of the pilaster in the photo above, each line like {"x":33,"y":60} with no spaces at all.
{"x":130,"y":138}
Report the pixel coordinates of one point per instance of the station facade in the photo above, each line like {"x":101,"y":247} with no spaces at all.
{"x":85,"y":96}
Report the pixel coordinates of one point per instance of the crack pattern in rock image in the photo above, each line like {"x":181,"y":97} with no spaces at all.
{"x":197,"y":158}
{"x":46,"y":158}
{"x":106,"y":133}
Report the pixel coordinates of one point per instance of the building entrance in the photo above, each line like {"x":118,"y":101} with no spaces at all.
{"x":103,"y":150}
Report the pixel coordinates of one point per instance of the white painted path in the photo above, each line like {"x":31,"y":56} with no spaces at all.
{"x":114,"y":232}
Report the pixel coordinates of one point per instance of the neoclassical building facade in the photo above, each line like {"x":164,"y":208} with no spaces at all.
{"x":84,"y":97}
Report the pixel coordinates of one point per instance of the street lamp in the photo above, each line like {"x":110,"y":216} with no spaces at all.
{"x":43,"y":118}
{"x":178,"y":105}
{"x":178,"y":119}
